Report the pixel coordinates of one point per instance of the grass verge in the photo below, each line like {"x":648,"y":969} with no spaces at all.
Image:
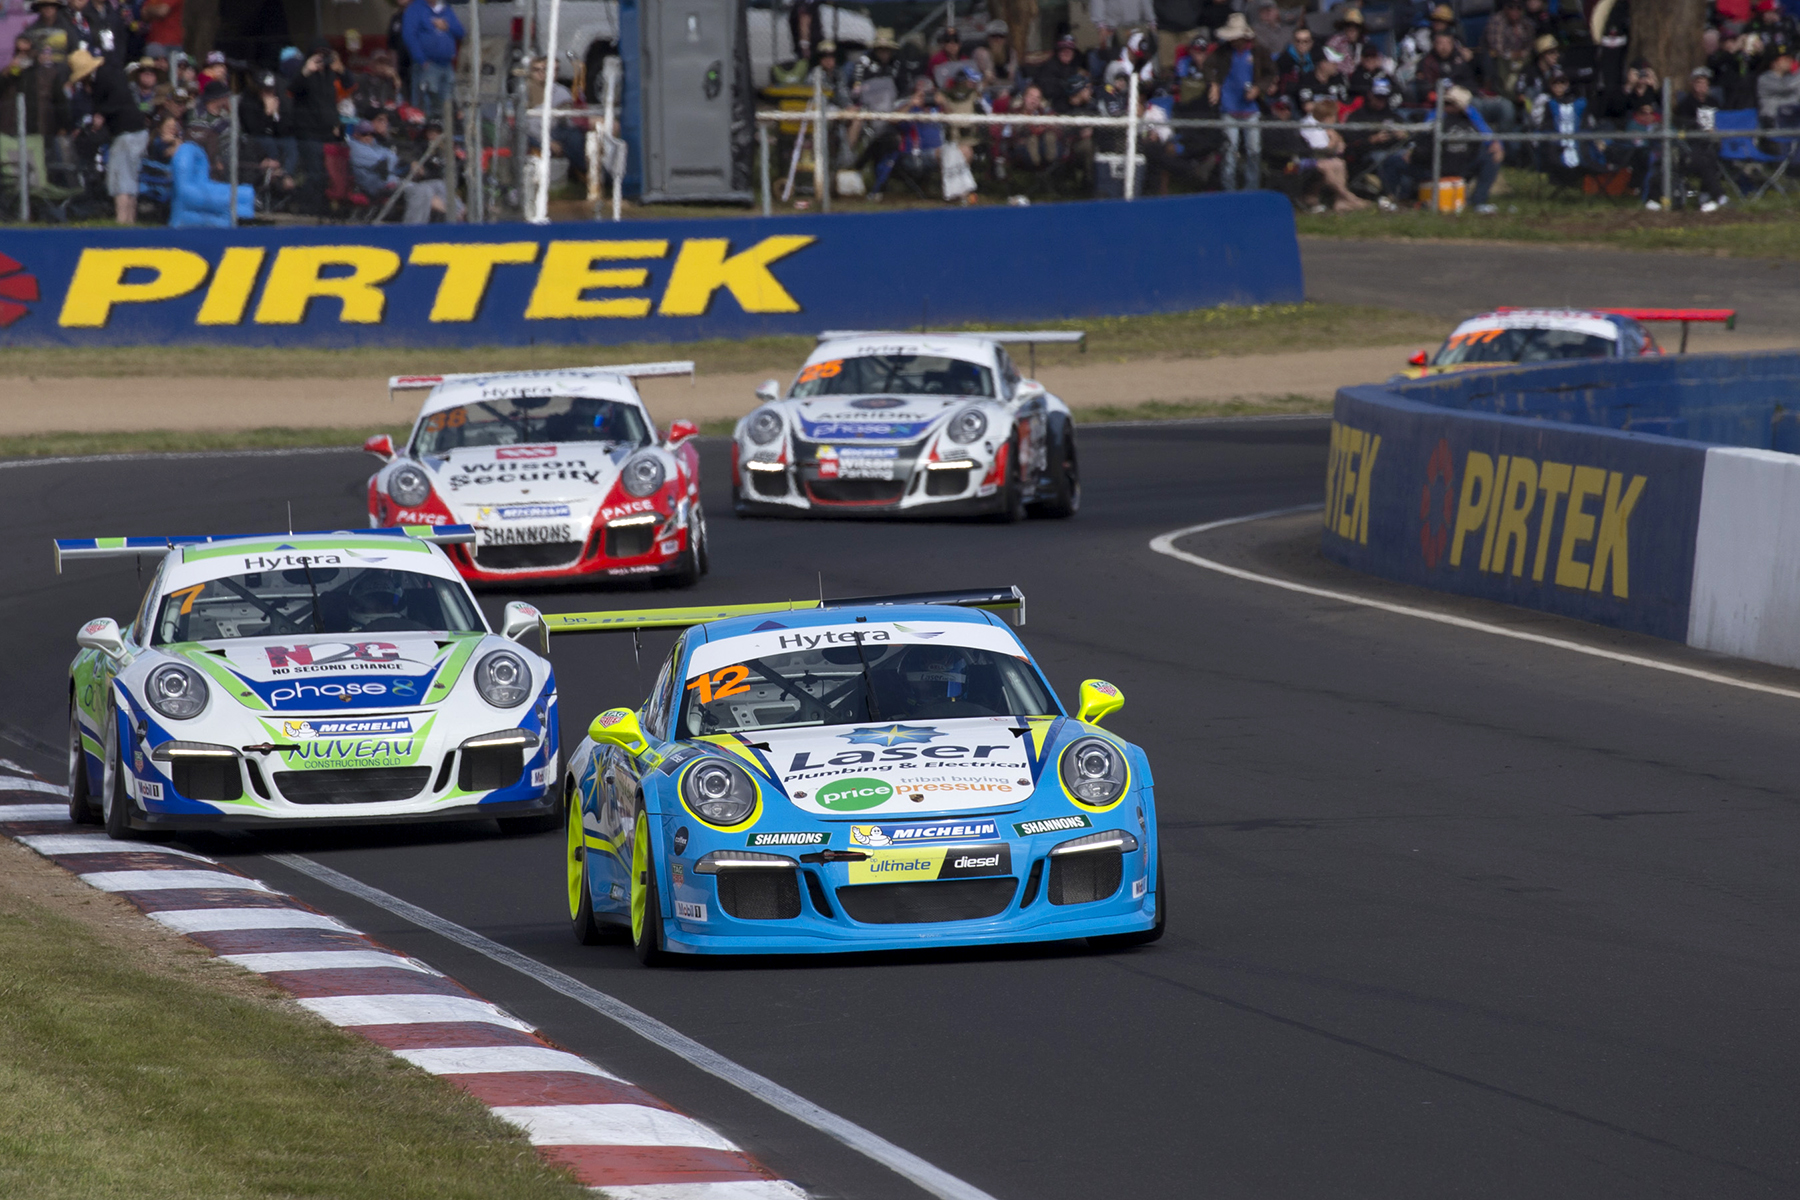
{"x":134,"y":1066}
{"x":1531,"y":212}
{"x":1201,"y":333}
{"x":1238,"y":406}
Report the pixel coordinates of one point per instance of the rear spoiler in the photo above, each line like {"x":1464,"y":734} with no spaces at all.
{"x":1035,"y":337}
{"x":1007,"y":599}
{"x":1687,"y":316}
{"x":130,"y":547}
{"x":646,"y":370}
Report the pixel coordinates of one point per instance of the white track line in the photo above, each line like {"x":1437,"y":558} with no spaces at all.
{"x":494,"y":1060}
{"x":98,"y":843}
{"x":10,"y":813}
{"x":739,"y":1189}
{"x":1165,"y":544}
{"x":932,"y":1179}
{"x":19,"y":783}
{"x":410,"y":1009}
{"x":609,"y":1125}
{"x":324,"y":960}
{"x":166,"y":881}
{"x":176,"y":456}
{"x":219,"y":920}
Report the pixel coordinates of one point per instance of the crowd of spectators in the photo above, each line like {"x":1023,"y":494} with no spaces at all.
{"x":1530,"y":65}
{"x":118,"y":118}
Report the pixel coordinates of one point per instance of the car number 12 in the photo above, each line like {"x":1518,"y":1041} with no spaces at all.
{"x":726,"y":681}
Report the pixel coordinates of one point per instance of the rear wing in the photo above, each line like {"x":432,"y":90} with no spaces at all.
{"x":1008,"y":600}
{"x":131,"y":547}
{"x":1032,"y":338}
{"x":1687,"y":316}
{"x":645,"y":370}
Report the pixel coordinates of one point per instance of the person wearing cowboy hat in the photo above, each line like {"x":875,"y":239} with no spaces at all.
{"x":51,"y":30}
{"x":1465,"y":154}
{"x":1243,"y":75}
{"x":1351,"y":31}
{"x":116,"y":104}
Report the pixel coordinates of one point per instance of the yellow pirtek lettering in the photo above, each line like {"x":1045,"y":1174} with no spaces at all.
{"x":1516,"y":500}
{"x":1333,"y":464}
{"x":1349,"y":470}
{"x":568,"y":271}
{"x":294,"y":282}
{"x":232,"y":284}
{"x":1352,"y":446}
{"x":468,"y":268}
{"x":1471,"y":509}
{"x":1613,"y":541}
{"x":99,"y":282}
{"x":702,"y":268}
{"x":1553,"y":481}
{"x":1493,"y":512}
{"x":1578,"y":527}
{"x":1365,"y":473}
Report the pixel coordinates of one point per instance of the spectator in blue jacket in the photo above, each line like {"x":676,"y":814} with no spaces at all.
{"x":432,"y":34}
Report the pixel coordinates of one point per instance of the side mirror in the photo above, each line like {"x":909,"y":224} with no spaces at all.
{"x":1419,"y":359}
{"x":1099,"y":699}
{"x":768,"y":391}
{"x":619,"y":727}
{"x":102,"y":635}
{"x":518,"y":619}
{"x":381,"y":446}
{"x":681,"y":431}
{"x":1028,"y":390}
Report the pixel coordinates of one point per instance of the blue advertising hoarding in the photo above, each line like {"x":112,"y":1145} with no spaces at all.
{"x":649,"y":280}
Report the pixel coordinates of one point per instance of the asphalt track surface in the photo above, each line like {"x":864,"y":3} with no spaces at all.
{"x":1451,"y":915}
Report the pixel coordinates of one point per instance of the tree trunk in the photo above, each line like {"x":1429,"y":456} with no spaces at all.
{"x":1667,"y":33}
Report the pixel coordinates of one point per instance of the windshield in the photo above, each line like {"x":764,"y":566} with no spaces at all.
{"x":315,"y":600}
{"x":903,"y":374}
{"x":832,"y":686}
{"x":1521,"y":346}
{"x":516,"y":419}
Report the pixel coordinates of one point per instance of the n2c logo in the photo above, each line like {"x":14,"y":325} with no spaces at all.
{"x":304,"y":656}
{"x":726,"y":681}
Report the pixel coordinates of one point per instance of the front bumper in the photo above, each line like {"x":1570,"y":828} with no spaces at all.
{"x":487,"y":811}
{"x":666,"y":555}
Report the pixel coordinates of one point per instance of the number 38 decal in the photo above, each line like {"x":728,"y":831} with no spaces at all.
{"x":726,"y":681}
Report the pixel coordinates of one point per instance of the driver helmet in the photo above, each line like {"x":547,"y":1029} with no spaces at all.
{"x":935,"y":672}
{"x":373,"y":595}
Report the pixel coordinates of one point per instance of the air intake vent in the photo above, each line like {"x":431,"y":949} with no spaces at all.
{"x":760,"y":895}
{"x":356,"y":785}
{"x":927,"y":903}
{"x":1086,"y":877}
{"x":207,"y":778}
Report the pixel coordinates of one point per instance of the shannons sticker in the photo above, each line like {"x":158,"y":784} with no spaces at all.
{"x":1051,"y":825}
{"x":788,"y":839}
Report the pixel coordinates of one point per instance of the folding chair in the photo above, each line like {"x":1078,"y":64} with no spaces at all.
{"x":1747,"y":156}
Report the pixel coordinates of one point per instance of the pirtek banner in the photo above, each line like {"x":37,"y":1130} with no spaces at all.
{"x":1586,"y":522}
{"x":460,"y":285}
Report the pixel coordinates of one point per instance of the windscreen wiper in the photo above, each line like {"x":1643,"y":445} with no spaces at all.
{"x":868,"y":684}
{"x":315,"y":593}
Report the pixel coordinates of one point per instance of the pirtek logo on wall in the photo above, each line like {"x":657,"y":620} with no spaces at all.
{"x":1512,"y":506}
{"x":573,"y":280}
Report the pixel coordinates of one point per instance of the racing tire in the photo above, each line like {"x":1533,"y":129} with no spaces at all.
{"x":1012,"y":488}
{"x":1143,"y":937}
{"x":1064,"y":500}
{"x":739,"y":507}
{"x":646,"y":898}
{"x":115,"y":799}
{"x":693,"y":561}
{"x":704,"y":555}
{"x":81,"y":798}
{"x":588,"y":931}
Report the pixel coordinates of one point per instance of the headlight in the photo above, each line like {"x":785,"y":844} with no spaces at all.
{"x":642,"y":475}
{"x":764,"y":426}
{"x":967,"y":425}
{"x":1094,"y":770}
{"x":176,"y":690}
{"x":718,"y":792}
{"x":409,"y":487}
{"x":503,"y":679}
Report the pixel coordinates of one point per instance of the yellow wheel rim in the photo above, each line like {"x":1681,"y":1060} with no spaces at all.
{"x":577,"y":874}
{"x":640,"y":876}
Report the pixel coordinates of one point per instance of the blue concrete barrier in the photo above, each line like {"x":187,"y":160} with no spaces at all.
{"x":667,"y":280}
{"x":1544,"y":487}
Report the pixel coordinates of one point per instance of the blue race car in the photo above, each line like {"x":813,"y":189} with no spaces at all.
{"x":881,"y":773}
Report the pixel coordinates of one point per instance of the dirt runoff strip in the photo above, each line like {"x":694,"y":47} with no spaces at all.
{"x":54,"y":405}
{"x":609,"y":1133}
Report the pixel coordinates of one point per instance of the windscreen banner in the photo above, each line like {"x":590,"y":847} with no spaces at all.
{"x":1591,"y":523}
{"x":643,"y":280}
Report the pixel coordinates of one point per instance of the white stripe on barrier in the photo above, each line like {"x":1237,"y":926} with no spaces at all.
{"x":99,"y":843}
{"x":33,"y":812}
{"x":491,"y":1060}
{"x":609,"y":1125}
{"x":1747,"y":556}
{"x":737,"y":1189}
{"x":164,"y":881}
{"x":324,"y":960}
{"x":1165,"y":544}
{"x":220,"y":920}
{"x":19,"y":783}
{"x":408,"y":1009}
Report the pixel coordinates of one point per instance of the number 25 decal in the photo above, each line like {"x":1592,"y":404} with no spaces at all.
{"x":726,"y":681}
{"x":822,"y":370}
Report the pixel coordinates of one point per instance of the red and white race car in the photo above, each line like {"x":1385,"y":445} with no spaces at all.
{"x":562,"y":474}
